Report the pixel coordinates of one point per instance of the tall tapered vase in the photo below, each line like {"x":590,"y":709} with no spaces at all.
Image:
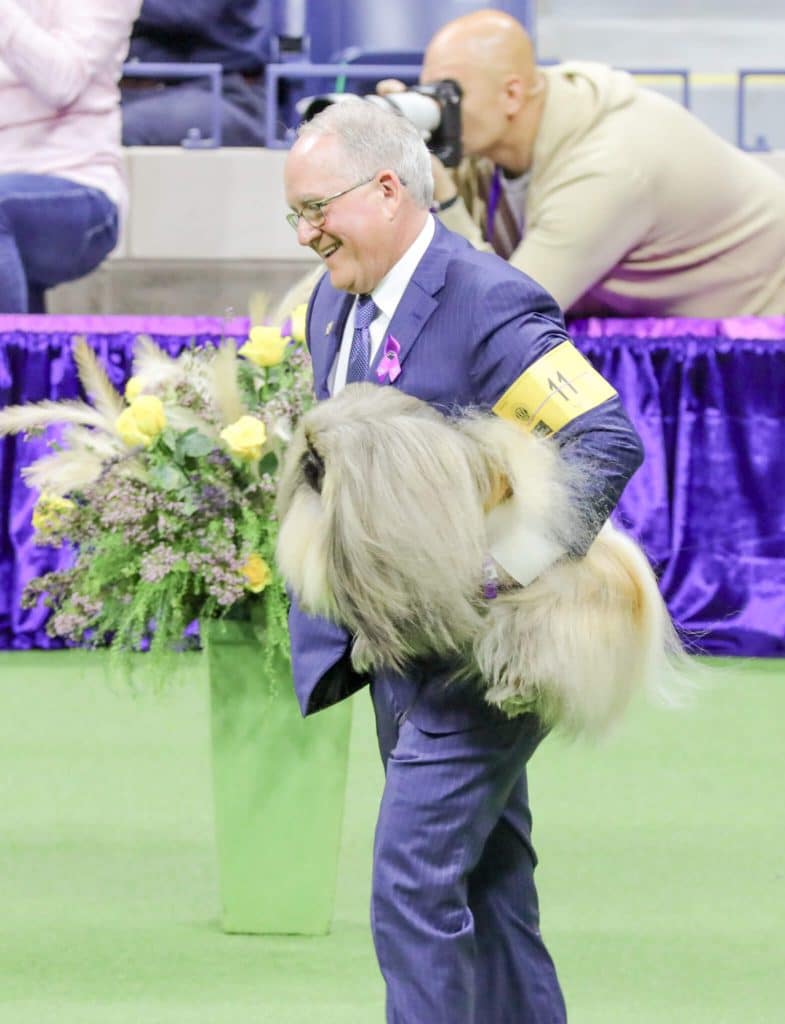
{"x":279,"y":783}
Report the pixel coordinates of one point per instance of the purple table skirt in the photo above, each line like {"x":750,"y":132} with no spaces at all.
{"x":708,"y":505}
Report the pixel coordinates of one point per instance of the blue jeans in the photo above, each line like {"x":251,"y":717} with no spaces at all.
{"x":51,"y":230}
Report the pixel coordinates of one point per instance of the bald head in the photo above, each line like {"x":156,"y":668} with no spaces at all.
{"x":486,"y":39}
{"x":489,"y":54}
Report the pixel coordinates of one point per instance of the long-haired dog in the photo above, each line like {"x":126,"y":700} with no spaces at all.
{"x":384,"y":507}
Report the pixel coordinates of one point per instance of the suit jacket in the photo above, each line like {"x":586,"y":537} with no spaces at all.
{"x":468,"y":325}
{"x":615,"y":226}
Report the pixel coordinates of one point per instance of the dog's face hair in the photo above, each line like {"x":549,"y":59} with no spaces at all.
{"x":382,"y":500}
{"x":313,"y":468}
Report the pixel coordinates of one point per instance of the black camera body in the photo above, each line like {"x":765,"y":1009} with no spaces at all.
{"x":434,"y":109}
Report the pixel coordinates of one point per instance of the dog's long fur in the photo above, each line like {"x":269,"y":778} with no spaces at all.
{"x":383,"y":506}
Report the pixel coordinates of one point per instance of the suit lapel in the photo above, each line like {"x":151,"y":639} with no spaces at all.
{"x":418,"y":302}
{"x":324,"y":347}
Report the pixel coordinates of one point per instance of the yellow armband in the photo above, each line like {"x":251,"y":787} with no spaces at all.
{"x":553,"y":391}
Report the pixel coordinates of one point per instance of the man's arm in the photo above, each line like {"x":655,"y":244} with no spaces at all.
{"x":57,"y":63}
{"x":527,"y":370}
{"x":584,"y":226}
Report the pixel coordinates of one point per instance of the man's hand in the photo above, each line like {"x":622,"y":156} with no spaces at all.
{"x":443,"y":185}
{"x":389,"y":85}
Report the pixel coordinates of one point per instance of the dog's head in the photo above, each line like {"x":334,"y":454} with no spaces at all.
{"x":381,"y":508}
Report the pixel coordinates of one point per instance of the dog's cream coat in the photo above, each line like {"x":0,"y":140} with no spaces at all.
{"x":384,"y":506}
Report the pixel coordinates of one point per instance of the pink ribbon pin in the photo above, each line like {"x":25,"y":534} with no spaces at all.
{"x":389,"y":367}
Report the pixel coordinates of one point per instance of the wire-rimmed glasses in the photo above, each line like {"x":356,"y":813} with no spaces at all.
{"x":313,"y":212}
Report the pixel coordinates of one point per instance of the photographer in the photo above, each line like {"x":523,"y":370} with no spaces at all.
{"x":616,"y":199}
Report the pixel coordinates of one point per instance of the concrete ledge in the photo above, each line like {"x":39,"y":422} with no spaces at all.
{"x":223,"y":204}
{"x":208,"y":204}
{"x":194,"y":287}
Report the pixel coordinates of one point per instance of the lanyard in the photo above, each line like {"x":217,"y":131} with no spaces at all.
{"x":494,"y":195}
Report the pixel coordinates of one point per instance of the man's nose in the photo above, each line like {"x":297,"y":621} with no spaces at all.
{"x":306,"y":233}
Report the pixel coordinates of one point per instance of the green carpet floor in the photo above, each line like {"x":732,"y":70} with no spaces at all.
{"x":662,"y":875}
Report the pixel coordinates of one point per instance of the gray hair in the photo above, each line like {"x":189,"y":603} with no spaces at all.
{"x":375,"y":137}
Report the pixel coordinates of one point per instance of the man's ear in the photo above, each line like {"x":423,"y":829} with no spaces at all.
{"x":390,"y":182}
{"x":392,"y":190}
{"x":514,"y":94}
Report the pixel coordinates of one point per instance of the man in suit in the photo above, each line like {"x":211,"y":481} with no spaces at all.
{"x":406,"y":303}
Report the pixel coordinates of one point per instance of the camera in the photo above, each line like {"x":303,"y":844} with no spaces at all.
{"x":434,"y":110}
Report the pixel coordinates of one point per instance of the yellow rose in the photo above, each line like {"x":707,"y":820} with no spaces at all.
{"x":245,"y":437}
{"x":257,"y":573}
{"x":298,"y":322}
{"x":133,"y":388}
{"x":48,"y":509}
{"x":265,"y":346}
{"x":142,"y":421}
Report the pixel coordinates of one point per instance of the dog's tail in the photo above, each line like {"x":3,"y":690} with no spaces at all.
{"x":588,"y":634}
{"x":667,"y":673}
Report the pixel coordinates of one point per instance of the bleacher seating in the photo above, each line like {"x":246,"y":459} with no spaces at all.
{"x":207,"y":227}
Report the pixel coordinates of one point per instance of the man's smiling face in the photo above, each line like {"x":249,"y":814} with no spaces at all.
{"x":353,"y":241}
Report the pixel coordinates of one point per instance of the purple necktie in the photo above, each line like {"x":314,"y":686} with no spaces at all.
{"x":360,"y":355}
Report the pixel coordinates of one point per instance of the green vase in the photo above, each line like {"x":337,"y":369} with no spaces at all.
{"x":279,"y":783}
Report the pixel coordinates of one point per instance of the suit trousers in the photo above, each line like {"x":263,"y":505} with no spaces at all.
{"x":454,"y":913}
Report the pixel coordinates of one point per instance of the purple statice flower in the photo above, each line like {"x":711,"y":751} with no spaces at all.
{"x":213,"y":500}
{"x":158,"y":563}
{"x":75,"y":617}
{"x":220,"y":567}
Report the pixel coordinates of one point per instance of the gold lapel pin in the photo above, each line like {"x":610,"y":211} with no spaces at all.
{"x":329,"y":327}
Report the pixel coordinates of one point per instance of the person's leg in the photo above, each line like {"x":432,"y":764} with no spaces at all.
{"x":13,"y":279}
{"x":444,"y":797}
{"x":163,"y":117}
{"x":514,"y":969}
{"x":51,"y":230}
{"x":244,"y":123}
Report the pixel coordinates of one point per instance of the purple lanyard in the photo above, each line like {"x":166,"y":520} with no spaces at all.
{"x":494,"y":195}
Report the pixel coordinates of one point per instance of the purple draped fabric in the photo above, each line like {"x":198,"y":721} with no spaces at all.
{"x":708,"y":397}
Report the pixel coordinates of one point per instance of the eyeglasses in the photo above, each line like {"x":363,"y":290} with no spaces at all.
{"x":313,"y":213}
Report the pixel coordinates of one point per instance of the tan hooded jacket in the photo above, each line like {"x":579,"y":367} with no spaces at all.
{"x":636,"y":208}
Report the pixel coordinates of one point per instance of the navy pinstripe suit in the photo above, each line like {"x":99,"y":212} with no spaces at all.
{"x":454,"y":908}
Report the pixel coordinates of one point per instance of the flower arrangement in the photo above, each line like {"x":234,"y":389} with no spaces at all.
{"x":167,"y":492}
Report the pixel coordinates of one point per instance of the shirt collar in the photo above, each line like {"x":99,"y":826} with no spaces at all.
{"x":387,"y":294}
